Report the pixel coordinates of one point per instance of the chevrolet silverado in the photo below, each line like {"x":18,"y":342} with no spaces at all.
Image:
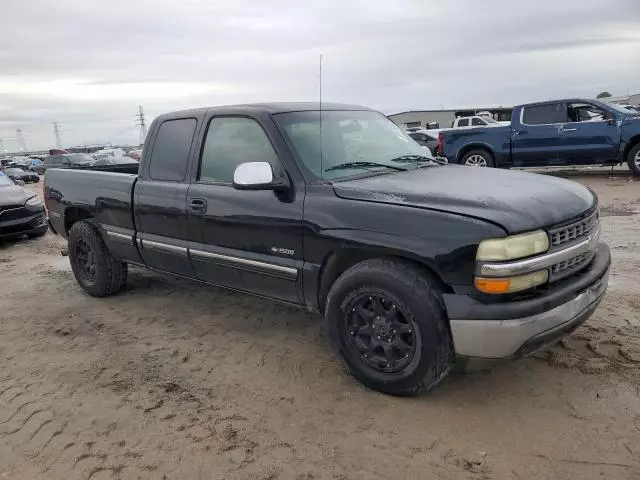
{"x":339,"y":211}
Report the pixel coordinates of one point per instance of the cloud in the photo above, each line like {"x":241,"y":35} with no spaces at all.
{"x":108,"y":90}
{"x":87,"y":65}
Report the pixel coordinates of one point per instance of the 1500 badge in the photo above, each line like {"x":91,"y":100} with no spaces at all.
{"x":282,"y":251}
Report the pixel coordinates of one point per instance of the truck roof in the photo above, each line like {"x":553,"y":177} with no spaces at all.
{"x":269,"y":108}
{"x":570,"y":100}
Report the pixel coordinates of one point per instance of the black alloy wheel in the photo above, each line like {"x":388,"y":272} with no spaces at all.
{"x":85,"y":259}
{"x":380,"y":332}
{"x":96,"y":270}
{"x":388,"y":326}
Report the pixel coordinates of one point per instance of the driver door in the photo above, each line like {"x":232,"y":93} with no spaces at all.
{"x":249,"y":240}
{"x":591,"y":136}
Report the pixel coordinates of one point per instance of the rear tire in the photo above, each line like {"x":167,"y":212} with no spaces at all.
{"x":95,"y":269}
{"x":478,"y":158}
{"x":633,"y":160}
{"x":403,"y":345}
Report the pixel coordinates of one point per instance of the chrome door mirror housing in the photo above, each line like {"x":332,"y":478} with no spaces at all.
{"x":257,"y":176}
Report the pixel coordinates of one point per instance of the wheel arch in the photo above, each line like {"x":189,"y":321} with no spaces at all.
{"x":633,"y":141}
{"x":474,"y":146}
{"x":73,"y":215}
{"x":340,"y":260}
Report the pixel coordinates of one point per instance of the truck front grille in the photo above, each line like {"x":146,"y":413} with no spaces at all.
{"x":574,"y":230}
{"x":572,"y":263}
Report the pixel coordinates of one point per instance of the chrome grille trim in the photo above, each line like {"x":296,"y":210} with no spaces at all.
{"x":573,"y":231}
{"x":547,"y":260}
{"x":572,"y":262}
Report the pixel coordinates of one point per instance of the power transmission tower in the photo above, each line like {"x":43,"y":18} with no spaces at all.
{"x":22,"y":146}
{"x":142,"y":124}
{"x":56,"y":131}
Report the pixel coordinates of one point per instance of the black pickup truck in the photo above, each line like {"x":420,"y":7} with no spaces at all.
{"x":411,"y":262}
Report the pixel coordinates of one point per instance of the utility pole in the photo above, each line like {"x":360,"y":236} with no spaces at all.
{"x":142,"y":124}
{"x":56,"y":131}
{"x":1,"y":147}
{"x":22,"y":146}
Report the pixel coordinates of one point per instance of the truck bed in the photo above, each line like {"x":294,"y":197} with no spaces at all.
{"x":456,"y":142}
{"x":105,"y":193}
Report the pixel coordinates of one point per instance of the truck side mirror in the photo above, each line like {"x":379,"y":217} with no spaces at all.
{"x":257,"y":176}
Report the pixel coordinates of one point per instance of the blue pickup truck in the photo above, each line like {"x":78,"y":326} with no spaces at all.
{"x":559,"y":132}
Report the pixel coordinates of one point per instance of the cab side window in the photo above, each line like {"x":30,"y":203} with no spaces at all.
{"x":585,"y":112}
{"x":550,"y":113}
{"x":231,"y":141}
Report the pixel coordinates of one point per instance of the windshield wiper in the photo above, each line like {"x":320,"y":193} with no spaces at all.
{"x":363,"y":165}
{"x":419,"y":159}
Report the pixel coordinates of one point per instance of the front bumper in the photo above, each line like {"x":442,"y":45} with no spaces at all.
{"x":34,"y":225}
{"x":529,"y":325}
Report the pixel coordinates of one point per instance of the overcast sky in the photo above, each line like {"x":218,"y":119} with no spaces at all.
{"x":87,"y":64}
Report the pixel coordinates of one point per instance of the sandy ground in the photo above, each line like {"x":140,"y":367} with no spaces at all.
{"x":175,"y":380}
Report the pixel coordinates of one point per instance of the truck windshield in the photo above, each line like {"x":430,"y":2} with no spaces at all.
{"x":353,"y":143}
{"x":619,"y":108}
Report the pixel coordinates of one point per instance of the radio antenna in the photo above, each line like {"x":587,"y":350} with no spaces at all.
{"x":320,"y":107}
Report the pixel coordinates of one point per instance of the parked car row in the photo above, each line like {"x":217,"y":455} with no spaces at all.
{"x":16,"y":173}
{"x":81,"y":160}
{"x":26,"y":163}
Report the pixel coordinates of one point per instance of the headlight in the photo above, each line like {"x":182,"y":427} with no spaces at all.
{"x":513,"y":247}
{"x":511,"y":284}
{"x":34,"y":203}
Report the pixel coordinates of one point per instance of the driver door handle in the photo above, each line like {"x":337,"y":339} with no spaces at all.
{"x":198,"y":205}
{"x":569,"y":129}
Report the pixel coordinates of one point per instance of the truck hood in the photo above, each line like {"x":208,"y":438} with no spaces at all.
{"x":517,"y":201}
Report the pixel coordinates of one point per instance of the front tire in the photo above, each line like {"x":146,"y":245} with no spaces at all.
{"x":478,"y":158}
{"x":388,"y":326}
{"x":95,"y":269}
{"x":633,"y":160}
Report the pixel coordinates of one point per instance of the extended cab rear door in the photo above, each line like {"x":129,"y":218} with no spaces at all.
{"x":536,"y":139}
{"x":161,"y":196}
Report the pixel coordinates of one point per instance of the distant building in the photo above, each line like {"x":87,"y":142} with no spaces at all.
{"x":444,"y":118}
{"x":624,"y":99}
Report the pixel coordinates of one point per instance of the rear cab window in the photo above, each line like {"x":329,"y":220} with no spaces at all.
{"x":550,"y":113}
{"x":170,"y":154}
